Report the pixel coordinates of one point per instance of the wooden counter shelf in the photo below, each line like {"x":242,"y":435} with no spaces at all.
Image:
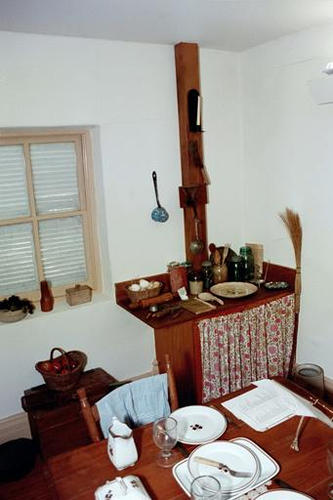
{"x":177,"y":336}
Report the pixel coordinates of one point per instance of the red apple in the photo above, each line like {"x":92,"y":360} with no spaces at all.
{"x":46,"y":366}
{"x":57,"y":366}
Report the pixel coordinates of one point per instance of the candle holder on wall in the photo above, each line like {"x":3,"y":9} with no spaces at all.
{"x":194,"y":110}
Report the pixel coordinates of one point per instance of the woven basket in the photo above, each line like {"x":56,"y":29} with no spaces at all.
{"x":63,"y":382}
{"x":148,"y":293}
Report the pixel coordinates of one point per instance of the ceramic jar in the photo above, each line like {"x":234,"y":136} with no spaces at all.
{"x":220,"y":273}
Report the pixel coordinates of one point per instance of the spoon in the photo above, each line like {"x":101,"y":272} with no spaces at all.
{"x":159,"y":214}
{"x":209,"y":297}
{"x":196,"y":246}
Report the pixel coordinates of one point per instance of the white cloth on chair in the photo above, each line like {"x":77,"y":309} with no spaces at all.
{"x":137,"y":403}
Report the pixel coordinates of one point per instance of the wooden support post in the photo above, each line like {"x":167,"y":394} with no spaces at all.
{"x":193,"y":190}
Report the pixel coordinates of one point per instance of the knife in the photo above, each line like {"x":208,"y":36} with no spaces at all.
{"x":222,"y":467}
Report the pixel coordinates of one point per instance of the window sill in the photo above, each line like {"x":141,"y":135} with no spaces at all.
{"x":61,"y":306}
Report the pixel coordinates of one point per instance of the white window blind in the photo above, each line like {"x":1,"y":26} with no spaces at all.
{"x":62,"y":249}
{"x":54,"y":177}
{"x":45,"y":223}
{"x":14,"y":201}
{"x":17,"y":258}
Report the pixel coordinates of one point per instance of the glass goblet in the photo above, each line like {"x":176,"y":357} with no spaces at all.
{"x":205,"y":488}
{"x":165,"y":437}
{"x":330,"y":468}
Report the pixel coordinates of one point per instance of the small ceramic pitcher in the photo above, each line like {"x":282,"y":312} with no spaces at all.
{"x":121,"y":446}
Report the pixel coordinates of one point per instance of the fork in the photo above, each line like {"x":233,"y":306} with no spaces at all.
{"x":221,"y":467}
{"x":294,"y":445}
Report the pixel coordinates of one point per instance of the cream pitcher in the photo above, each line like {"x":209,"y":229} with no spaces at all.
{"x":121,"y":446}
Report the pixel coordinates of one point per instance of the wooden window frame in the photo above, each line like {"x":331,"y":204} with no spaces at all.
{"x":84,"y":166}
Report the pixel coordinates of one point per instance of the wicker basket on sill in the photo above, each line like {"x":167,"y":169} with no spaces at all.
{"x":78,"y":295}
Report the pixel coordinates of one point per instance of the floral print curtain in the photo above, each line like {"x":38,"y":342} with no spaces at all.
{"x":239,"y":348}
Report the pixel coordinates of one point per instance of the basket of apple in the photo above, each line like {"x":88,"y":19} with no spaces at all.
{"x":62,"y":372}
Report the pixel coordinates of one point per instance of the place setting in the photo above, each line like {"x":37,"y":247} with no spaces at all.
{"x":232,"y":468}
{"x":198,"y":424}
{"x":238,"y":465}
{"x":221,"y":469}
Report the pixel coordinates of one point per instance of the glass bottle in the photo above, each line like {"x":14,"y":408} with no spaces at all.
{"x":235,"y":268}
{"x":196,"y":282}
{"x":207,"y":274}
{"x":46,"y":297}
{"x":248,"y":263}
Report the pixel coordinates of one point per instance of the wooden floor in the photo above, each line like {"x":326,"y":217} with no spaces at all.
{"x":31,"y":487}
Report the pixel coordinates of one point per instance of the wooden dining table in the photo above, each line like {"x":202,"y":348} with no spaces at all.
{"x":78,"y":473}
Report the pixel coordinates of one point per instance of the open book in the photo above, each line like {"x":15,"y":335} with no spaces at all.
{"x":270,"y":404}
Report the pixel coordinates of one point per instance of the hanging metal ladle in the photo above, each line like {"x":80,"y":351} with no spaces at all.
{"x":159,"y":214}
{"x":197,"y":245}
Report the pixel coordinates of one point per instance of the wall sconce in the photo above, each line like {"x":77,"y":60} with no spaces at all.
{"x":328,"y":69}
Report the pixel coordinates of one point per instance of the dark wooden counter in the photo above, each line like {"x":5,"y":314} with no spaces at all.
{"x":262,"y":296}
{"x":176,"y":336}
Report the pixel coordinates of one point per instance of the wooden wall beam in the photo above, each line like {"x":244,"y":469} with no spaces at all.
{"x":188,"y":78}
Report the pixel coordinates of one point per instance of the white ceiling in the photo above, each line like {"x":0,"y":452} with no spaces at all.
{"x":224,"y":24}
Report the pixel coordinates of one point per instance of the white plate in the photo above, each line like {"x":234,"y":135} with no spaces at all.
{"x":268,"y":469}
{"x":233,"y":455}
{"x":284,"y":495}
{"x":199,"y":424}
{"x":233,"y":289}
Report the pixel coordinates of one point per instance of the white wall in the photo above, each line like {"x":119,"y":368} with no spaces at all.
{"x":127,"y":92}
{"x":220,"y":85}
{"x":288,"y":151}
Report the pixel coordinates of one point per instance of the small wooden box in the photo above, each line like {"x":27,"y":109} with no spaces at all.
{"x":78,"y":295}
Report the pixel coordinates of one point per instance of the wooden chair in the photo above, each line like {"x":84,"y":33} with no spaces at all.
{"x":91,"y":415}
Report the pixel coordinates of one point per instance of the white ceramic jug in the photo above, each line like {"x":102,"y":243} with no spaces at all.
{"x":121,"y":446}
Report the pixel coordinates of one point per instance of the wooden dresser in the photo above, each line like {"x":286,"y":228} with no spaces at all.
{"x":179,"y":337}
{"x":55,"y":419}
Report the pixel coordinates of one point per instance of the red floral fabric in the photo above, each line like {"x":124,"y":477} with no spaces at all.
{"x":237,"y":349}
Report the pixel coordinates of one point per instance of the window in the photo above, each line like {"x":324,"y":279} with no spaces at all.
{"x":46,"y":229}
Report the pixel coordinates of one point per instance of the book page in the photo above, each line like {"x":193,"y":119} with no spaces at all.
{"x":261,"y":408}
{"x":270,"y":404}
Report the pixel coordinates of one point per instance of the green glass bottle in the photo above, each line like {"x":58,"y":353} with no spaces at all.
{"x":207,"y":273}
{"x":248,"y":263}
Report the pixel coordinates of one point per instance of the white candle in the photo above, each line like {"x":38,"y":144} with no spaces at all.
{"x":198,"y":111}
